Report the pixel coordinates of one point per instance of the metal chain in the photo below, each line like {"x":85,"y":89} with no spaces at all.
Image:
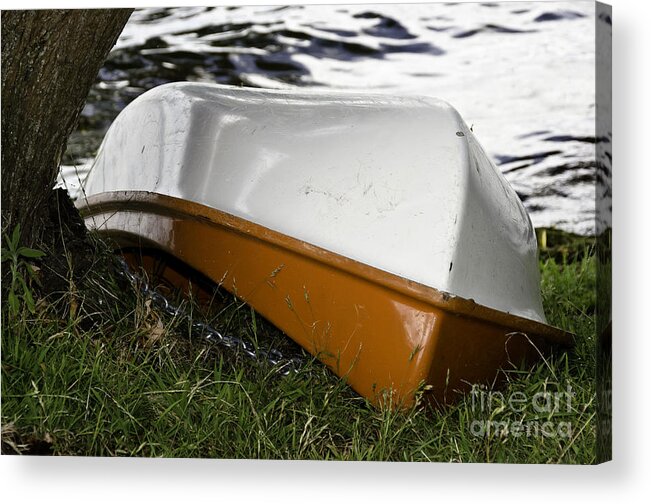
{"x":198,"y":328}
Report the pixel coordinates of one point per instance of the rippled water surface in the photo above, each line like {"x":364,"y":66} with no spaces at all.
{"x":522,"y":74}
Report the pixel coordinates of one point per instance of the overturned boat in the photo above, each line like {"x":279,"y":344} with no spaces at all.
{"x":372,"y":230}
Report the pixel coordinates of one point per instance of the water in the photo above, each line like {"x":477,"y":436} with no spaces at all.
{"x":522,"y":74}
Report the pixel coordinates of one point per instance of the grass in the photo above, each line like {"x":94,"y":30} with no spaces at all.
{"x":108,"y":375}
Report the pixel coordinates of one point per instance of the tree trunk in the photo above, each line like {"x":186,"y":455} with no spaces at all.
{"x":50,"y":59}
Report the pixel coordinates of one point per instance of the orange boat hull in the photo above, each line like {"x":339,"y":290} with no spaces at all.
{"x":380,"y":332}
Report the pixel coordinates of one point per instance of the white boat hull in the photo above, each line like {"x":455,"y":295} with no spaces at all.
{"x":397,"y":183}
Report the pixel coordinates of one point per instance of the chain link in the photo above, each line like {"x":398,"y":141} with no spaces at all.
{"x":201,"y":329}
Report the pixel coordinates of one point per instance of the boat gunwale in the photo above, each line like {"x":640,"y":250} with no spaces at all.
{"x":161,"y":204}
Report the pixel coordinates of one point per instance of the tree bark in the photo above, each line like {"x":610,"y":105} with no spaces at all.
{"x":50,"y":59}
